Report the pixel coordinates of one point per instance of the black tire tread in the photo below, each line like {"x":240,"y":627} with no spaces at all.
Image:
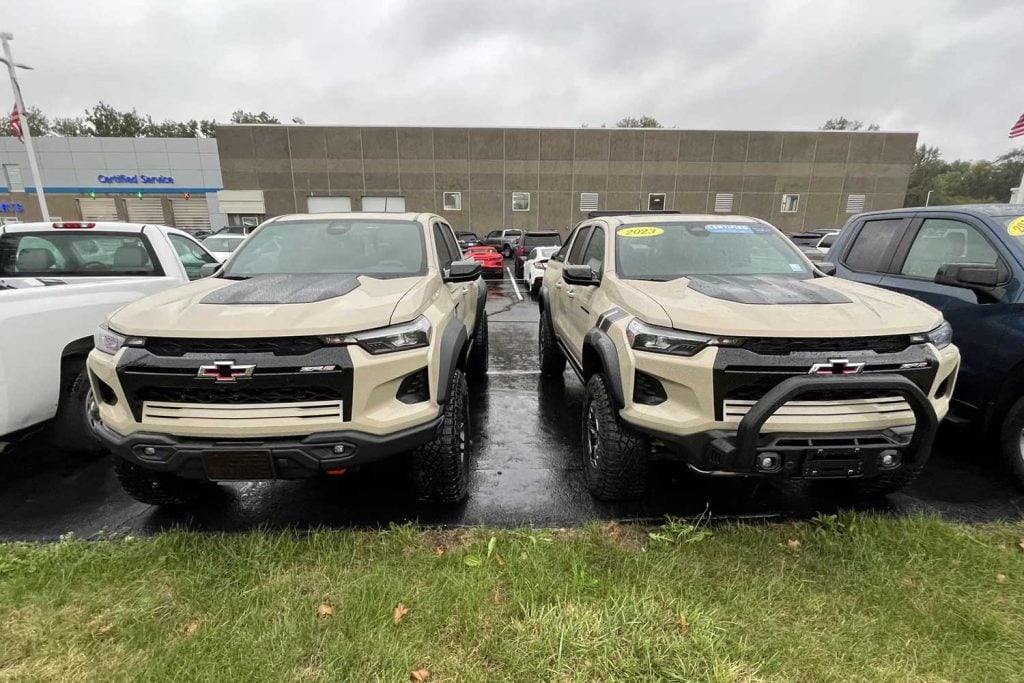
{"x":435,"y":466}
{"x":157,"y":488}
{"x":479,"y":355}
{"x":624,"y":463}
{"x":1009,"y":442}
{"x":552,"y":360}
{"x":70,"y":428}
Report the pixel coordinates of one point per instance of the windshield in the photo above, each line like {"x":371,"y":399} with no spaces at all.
{"x":543,"y":252}
{"x":221,"y":243}
{"x":380,"y":248}
{"x":75,"y":254}
{"x":543,"y":240}
{"x":667,"y":251}
{"x":1014,"y":224}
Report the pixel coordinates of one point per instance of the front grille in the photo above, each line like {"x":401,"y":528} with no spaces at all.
{"x":279,"y":346}
{"x":234,"y":395}
{"x":826,"y":411}
{"x":754,"y":392}
{"x":781,"y":346}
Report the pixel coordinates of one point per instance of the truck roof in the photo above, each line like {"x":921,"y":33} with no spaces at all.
{"x":981,"y":210}
{"x":379,"y":215}
{"x":677,"y":217}
{"x":105,"y":226}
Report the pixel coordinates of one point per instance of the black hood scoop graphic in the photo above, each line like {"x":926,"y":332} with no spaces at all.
{"x":284,"y":289}
{"x":765,"y":289}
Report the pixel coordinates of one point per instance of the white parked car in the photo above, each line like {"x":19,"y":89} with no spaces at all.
{"x":826,"y":242}
{"x":222,"y":246}
{"x":536,"y":263}
{"x":58,"y":282}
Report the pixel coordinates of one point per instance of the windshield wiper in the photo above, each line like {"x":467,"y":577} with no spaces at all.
{"x":235,"y":277}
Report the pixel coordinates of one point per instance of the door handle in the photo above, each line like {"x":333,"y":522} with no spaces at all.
{"x":558,"y":284}
{"x":465,"y":290}
{"x":570,"y":293}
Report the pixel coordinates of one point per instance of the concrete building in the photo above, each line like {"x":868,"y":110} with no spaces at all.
{"x":482,"y":179}
{"x":172,"y":181}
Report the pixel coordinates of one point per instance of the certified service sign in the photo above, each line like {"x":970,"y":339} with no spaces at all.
{"x":137,"y":179}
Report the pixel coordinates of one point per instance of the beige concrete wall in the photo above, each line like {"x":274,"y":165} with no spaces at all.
{"x":624,"y":166}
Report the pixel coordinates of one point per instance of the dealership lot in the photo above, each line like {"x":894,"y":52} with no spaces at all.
{"x":527,"y":472}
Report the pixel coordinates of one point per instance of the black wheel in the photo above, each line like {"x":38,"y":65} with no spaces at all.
{"x":476,"y":366}
{"x":615,"y":456}
{"x":70,"y":429}
{"x":506,"y":251}
{"x":158,"y":488}
{"x":1011,"y":441}
{"x":535,"y":288}
{"x":440,"y":469}
{"x":552,"y":361}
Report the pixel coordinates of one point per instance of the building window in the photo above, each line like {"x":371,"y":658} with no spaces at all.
{"x":384,"y":204}
{"x":588,"y":201}
{"x":723,"y":202}
{"x":656,"y":201}
{"x":855,"y":203}
{"x":12,"y":174}
{"x":790,"y":203}
{"x":453,"y":201}
{"x":520,"y":201}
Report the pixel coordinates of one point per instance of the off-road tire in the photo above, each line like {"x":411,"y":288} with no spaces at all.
{"x":1011,"y":441}
{"x":552,"y":360}
{"x":70,"y":429}
{"x":476,"y":366}
{"x":440,"y":469}
{"x":616,"y":458}
{"x":158,"y":488}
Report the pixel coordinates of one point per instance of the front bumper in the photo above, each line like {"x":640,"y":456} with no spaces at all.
{"x":268,"y":458}
{"x":848,"y":454}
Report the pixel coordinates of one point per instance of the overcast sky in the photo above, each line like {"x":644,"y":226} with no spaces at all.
{"x":951,"y":70}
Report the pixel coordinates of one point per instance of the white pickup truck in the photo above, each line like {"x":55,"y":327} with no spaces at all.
{"x":58,"y":283}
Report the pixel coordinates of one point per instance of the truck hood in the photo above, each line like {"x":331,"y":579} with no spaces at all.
{"x":265,"y":306}
{"x":766,"y":306}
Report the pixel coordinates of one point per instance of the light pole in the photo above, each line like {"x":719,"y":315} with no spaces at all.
{"x":11,"y":66}
{"x":928,"y":199}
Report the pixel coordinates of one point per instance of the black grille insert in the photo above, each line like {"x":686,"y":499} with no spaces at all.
{"x":235,"y":395}
{"x":279,"y":346}
{"x":781,"y":346}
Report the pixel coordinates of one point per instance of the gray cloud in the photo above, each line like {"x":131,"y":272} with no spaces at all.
{"x":945,"y":68}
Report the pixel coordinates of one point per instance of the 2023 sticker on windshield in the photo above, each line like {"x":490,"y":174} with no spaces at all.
{"x":1016,"y":228}
{"x":639,"y":232}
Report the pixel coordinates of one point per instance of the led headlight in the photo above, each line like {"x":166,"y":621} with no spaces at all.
{"x":644,"y":337}
{"x":411,"y":335}
{"x":941,"y":336}
{"x":108,"y":341}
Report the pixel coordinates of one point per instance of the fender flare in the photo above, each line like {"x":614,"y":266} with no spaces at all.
{"x":598,"y":342}
{"x":451,"y":348}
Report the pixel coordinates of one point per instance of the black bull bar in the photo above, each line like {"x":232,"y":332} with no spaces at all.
{"x":740,"y":453}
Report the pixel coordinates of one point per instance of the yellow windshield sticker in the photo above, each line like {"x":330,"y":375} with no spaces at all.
{"x":639,"y":232}
{"x":1016,"y":228}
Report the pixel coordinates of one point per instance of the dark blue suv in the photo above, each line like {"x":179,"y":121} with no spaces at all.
{"x":968,"y":262}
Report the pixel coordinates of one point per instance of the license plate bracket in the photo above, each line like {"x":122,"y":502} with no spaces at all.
{"x":838,"y":464}
{"x":238,"y":465}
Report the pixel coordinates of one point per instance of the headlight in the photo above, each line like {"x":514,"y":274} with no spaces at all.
{"x":644,"y":337}
{"x":941,"y":336}
{"x":411,"y":335}
{"x":108,"y":341}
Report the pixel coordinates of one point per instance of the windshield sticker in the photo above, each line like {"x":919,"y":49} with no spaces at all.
{"x":737,"y":229}
{"x":1016,"y":228}
{"x":639,"y":232}
{"x":796,"y":267}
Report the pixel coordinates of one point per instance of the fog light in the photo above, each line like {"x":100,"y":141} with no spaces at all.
{"x":340,"y":449}
{"x":766,"y":462}
{"x":149,"y":450}
{"x":890,"y":459}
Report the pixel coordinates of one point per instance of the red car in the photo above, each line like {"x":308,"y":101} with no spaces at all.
{"x":488,"y":257}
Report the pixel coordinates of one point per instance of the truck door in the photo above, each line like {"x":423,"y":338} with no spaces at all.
{"x":578,"y":305}
{"x":447,"y":250}
{"x":562,"y":294}
{"x":867,"y":255}
{"x":937,"y":241}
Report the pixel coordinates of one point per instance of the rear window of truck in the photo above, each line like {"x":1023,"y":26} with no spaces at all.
{"x":76,"y":254}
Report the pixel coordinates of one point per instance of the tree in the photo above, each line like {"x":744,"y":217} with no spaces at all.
{"x":38,"y":124}
{"x":644,"y":121}
{"x":843,"y":123}
{"x":70,"y":127}
{"x":109,"y":122}
{"x":928,"y":165}
{"x":173,"y":129}
{"x":241,"y":116}
{"x":208,"y":128}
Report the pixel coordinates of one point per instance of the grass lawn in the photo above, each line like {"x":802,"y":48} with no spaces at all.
{"x":853,"y":598}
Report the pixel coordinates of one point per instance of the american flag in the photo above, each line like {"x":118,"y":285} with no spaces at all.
{"x":16,"y":123}
{"x":1018,"y":128}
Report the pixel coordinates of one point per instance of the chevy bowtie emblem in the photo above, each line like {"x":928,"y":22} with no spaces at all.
{"x":836,"y":366}
{"x":225,"y":371}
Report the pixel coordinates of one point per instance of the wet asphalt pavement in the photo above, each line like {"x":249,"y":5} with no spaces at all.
{"x":527,"y":472}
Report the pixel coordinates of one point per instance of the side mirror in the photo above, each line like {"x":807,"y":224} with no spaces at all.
{"x":976,"y":276}
{"x":580,"y":275}
{"x":826,"y":267}
{"x":462,"y":271}
{"x":208,"y":269}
